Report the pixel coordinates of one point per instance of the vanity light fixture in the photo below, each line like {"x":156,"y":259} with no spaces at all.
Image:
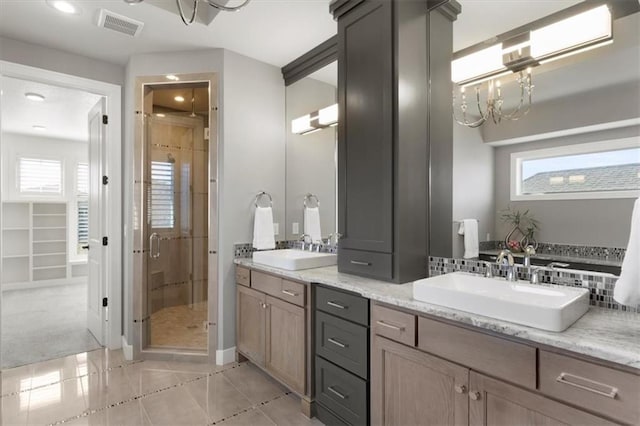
{"x":194,"y":10}
{"x":315,"y":121}
{"x":36,"y":97}
{"x":160,"y":115}
{"x":172,"y":77}
{"x":519,"y":54}
{"x":179,"y":98}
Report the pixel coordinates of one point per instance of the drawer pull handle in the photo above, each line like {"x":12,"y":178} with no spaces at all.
{"x":357,"y":262}
{"x":336,"y":393}
{"x":337,"y":343}
{"x":588,"y":385}
{"x":289,"y":293}
{"x":393,"y":327}
{"x":336,"y":305}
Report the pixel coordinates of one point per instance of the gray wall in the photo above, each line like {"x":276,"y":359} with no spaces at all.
{"x":582,"y":222}
{"x":37,"y":56}
{"x":473,"y":186}
{"x":251,"y":156}
{"x":311,"y":159}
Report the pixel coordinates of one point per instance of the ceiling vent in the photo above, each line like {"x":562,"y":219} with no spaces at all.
{"x":122,"y":24}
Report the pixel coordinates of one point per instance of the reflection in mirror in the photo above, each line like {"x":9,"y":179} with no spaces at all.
{"x":311,"y":155}
{"x":580,"y":102}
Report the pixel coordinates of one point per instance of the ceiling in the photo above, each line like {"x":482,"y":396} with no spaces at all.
{"x":272,"y":31}
{"x":64,"y":111}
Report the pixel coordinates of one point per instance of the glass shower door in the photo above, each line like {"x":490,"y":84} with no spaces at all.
{"x":176,"y":296}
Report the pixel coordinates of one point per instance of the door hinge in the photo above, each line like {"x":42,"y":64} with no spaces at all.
{"x":105,"y":180}
{"x":105,"y":302}
{"x":105,"y":119}
{"x":105,"y":241}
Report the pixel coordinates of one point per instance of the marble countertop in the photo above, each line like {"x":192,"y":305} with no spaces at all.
{"x":601,"y":333}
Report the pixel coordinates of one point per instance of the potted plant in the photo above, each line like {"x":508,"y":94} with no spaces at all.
{"x":517,"y":239}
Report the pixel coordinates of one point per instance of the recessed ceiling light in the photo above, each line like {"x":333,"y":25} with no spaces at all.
{"x":37,"y":97}
{"x":172,"y":77}
{"x":179,"y":99}
{"x":41,"y":128}
{"x":64,"y":6}
{"x":160,"y":115}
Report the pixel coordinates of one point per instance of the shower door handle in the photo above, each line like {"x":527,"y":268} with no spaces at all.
{"x":152,"y":238}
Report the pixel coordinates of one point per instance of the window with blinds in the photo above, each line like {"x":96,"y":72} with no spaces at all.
{"x":82,"y":195}
{"x":161,"y":208}
{"x":40,"y":176}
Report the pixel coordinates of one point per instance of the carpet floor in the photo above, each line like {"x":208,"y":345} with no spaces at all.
{"x":44,"y":323}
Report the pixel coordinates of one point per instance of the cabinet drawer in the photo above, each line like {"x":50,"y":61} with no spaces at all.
{"x":343,"y":393}
{"x":603,"y":390}
{"x":343,"y":343}
{"x":511,"y":361}
{"x":266,"y":283}
{"x":243,"y":276}
{"x":395,"y":325}
{"x":344,"y":305}
{"x":293,"y":292}
{"x":366,"y":263}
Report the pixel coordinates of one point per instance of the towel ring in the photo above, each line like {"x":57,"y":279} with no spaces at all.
{"x":259,"y":197}
{"x":308,"y":197}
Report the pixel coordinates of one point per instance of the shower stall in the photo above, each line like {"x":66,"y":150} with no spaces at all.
{"x":175,"y":222}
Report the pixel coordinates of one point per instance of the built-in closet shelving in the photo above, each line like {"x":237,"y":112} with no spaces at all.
{"x":34,"y":241}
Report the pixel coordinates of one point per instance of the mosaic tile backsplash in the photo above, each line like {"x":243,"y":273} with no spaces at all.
{"x":565,"y":250}
{"x":600,"y":285}
{"x":245,"y":250}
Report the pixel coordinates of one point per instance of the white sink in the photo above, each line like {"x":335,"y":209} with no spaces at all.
{"x":294,"y":260}
{"x":548,"y":307}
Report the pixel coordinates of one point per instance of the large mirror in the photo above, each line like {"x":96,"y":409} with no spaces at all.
{"x":573,"y":162}
{"x":311,"y":141}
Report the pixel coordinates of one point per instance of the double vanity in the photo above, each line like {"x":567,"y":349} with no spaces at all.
{"x":444,"y":350}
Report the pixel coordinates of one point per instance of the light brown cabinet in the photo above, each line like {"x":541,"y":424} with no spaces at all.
{"x":272,"y":328}
{"x":251,"y":317}
{"x":459,"y":376}
{"x":285,"y":342}
{"x":410,"y":387}
{"x":493,"y":402}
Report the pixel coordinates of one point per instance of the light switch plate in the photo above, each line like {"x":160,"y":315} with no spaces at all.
{"x":295,"y":228}
{"x":276,"y":228}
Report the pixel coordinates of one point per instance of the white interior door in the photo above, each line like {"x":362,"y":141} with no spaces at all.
{"x":96,"y":285}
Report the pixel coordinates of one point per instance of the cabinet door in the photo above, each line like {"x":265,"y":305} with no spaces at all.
{"x":250,"y":328}
{"x":365,"y":135}
{"x":493,"y":402}
{"x":410,"y":387}
{"x":286,"y":343}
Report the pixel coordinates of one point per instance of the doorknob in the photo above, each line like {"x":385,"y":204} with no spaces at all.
{"x":152,"y":238}
{"x":85,"y":247}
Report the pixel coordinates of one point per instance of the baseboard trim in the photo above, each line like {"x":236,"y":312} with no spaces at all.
{"x":127,"y":349}
{"x":226,"y":356}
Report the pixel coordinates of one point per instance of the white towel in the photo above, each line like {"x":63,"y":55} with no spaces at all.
{"x":263,"y":236}
{"x":627,"y":289}
{"x":312,"y":223}
{"x":469,"y":228}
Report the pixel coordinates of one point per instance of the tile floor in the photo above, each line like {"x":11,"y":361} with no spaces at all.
{"x":102,"y":388}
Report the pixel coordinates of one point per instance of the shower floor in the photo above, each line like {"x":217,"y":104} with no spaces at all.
{"x":182,"y":326}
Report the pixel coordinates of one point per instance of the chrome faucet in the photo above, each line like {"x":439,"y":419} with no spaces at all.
{"x":488,"y":269}
{"x":511,"y":273}
{"x":534,"y":277}
{"x":304,"y":238}
{"x":333,"y":239}
{"x":528,"y":252}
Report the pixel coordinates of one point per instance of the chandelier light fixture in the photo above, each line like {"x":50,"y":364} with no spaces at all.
{"x":194,"y":12}
{"x":519,"y":54}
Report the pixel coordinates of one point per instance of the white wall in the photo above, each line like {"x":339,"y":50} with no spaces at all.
{"x":473,"y":188}
{"x":251,"y":156}
{"x":69,"y":152}
{"x":37,"y":56}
